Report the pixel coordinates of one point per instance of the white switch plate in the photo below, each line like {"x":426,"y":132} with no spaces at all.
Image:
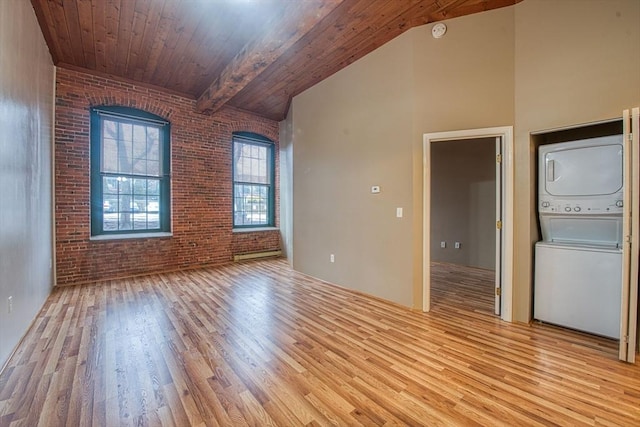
{"x":375,"y":189}
{"x":399,"y":212}
{"x":443,"y":245}
{"x":332,"y":258}
{"x":457,"y":245}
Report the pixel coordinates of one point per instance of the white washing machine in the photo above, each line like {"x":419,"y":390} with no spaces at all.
{"x":579,"y":287}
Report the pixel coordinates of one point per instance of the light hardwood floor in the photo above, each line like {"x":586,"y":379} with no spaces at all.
{"x":457,"y":288}
{"x":257,"y":344}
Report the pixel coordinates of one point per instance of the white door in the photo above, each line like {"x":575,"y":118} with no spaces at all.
{"x":630,"y":233}
{"x":499,"y":197}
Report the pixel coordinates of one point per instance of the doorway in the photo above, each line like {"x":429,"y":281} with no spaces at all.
{"x":464,"y":209}
{"x":503,"y":226}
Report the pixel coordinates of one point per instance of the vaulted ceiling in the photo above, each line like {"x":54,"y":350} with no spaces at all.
{"x":250,"y":54}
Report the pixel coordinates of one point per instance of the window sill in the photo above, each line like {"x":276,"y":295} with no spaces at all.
{"x":131,"y":236}
{"x":252,"y":230}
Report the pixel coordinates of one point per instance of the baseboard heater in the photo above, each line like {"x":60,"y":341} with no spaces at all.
{"x":255,"y":255}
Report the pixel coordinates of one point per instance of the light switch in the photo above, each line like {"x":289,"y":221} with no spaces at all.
{"x":399,"y":212}
{"x":375,"y":189}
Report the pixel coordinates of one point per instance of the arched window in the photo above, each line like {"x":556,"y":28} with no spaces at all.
{"x":130,"y":172}
{"x":253,"y":181}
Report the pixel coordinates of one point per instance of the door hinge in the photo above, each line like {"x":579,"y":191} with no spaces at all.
{"x":630,"y":136}
{"x":498,"y":158}
{"x":498,"y":292}
{"x":499,"y":225}
{"x":625,"y":339}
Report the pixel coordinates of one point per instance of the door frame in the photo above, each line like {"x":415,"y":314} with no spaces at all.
{"x":506,"y":133}
{"x":498,"y":233}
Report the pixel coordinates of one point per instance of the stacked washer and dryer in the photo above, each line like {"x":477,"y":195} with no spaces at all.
{"x":578,"y":263}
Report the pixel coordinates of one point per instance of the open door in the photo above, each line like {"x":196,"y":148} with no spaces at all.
{"x":631,"y":235}
{"x":499,"y":198}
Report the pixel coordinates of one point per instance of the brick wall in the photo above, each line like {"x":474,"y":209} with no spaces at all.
{"x":201,"y":187}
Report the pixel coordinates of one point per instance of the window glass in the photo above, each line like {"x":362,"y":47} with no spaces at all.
{"x":253,"y":193}
{"x":129,"y":191}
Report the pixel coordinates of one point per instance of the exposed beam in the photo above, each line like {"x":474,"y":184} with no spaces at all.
{"x":298,"y":19}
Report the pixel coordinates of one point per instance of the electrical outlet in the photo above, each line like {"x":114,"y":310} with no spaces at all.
{"x":10,"y":304}
{"x":443,"y":245}
{"x":458,"y":245}
{"x":332,"y":258}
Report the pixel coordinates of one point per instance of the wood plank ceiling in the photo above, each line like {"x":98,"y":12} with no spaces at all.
{"x":253,"y":55}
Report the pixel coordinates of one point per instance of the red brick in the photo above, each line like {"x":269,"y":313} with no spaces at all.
{"x":201,"y":184}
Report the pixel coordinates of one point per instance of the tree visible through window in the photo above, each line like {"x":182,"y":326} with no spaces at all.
{"x":253,"y":177}
{"x":130,"y":171}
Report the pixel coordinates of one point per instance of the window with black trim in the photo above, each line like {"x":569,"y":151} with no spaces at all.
{"x":253,"y":181}
{"x":130,"y":172}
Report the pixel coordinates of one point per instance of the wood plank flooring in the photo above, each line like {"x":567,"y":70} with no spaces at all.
{"x":461,"y":288}
{"x":258,"y":344}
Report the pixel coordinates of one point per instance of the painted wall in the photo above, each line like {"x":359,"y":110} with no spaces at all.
{"x":576,"y":62}
{"x":363,"y":126}
{"x":464,"y":80}
{"x":286,"y":186}
{"x":537,"y":65}
{"x":463,"y":202}
{"x":26,"y":116}
{"x":351,"y":132}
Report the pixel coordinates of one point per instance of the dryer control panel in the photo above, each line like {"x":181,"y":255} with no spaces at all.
{"x":576,"y":206}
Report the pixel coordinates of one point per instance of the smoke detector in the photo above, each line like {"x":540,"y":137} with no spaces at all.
{"x":438,"y":30}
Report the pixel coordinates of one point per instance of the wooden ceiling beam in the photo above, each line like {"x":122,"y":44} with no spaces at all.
{"x":298,"y":19}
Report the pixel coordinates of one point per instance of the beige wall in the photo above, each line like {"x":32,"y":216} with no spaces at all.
{"x":463,"y":202}
{"x":351,"y":132}
{"x":537,"y":65}
{"x":26,"y":113}
{"x":466,"y":81}
{"x":364,"y":126}
{"x":576,"y":62}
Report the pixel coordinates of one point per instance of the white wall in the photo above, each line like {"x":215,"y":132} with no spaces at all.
{"x":26,"y":120}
